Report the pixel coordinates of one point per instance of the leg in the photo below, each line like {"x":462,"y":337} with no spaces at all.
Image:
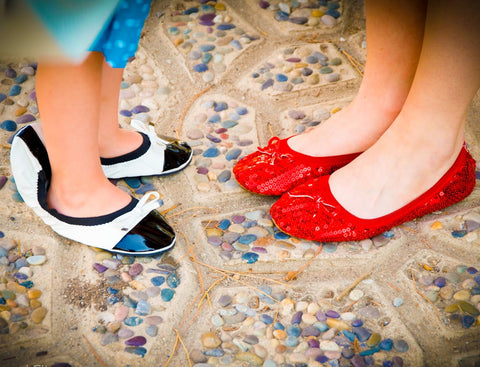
{"x":112,"y":140}
{"x":424,"y":140}
{"x":394,"y":36}
{"x":68,"y":98}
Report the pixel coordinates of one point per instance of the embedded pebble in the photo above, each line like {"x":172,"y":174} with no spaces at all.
{"x":37,"y":260}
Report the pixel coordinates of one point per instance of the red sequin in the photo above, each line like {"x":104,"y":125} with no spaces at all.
{"x":311,"y":211}
{"x":276,"y":168}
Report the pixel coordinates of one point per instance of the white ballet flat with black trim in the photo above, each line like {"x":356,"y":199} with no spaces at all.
{"x":157,"y":156}
{"x":136,"y":229}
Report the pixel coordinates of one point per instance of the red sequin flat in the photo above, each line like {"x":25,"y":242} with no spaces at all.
{"x":276,"y":168}
{"x":311,"y":211}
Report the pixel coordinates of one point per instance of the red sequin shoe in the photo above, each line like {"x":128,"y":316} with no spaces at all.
{"x":277,"y":168}
{"x":311,"y":211}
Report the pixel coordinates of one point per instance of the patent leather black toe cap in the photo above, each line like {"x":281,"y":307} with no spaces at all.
{"x":177,"y":154}
{"x":153,"y":235}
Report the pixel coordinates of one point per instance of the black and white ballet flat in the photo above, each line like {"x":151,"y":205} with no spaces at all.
{"x":136,"y":229}
{"x":157,"y":156}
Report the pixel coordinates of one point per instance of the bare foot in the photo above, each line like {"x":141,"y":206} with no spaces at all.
{"x":124,"y":141}
{"x":401,"y":166}
{"x":101,"y":199}
{"x":352,"y":130}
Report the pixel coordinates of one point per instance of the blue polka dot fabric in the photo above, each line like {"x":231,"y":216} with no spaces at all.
{"x":119,"y":39}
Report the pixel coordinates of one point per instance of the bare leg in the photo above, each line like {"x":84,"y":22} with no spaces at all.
{"x":424,"y":140}
{"x":69,"y":100}
{"x":112,"y":140}
{"x":394,"y":37}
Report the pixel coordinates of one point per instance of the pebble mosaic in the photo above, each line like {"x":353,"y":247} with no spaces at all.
{"x":24,"y":301}
{"x":297,"y":68}
{"x":209,"y":35}
{"x":139,"y":291}
{"x":453,"y":288}
{"x":251,"y":236}
{"x":273,"y":327}
{"x":220,"y":131}
{"x":298,"y":15}
{"x":302,"y":119}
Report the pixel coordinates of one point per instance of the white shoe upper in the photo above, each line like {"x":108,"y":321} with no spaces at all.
{"x":150,"y":163}
{"x":27,"y":171}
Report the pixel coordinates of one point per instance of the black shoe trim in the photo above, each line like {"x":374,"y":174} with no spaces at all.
{"x":141,"y":150}
{"x":176,"y":155}
{"x":36,"y":147}
{"x":151,"y":235}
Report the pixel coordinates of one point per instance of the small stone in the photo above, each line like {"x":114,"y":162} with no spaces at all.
{"x":296,"y":115}
{"x":210,"y":340}
{"x":140,"y":109}
{"x":250,"y":257}
{"x":125,"y":333}
{"x":361,"y":333}
{"x":167,"y":294}
{"x":249,"y":358}
{"x":331,"y":78}
{"x":158,"y":280}
{"x":143,"y":308}
{"x":332,"y":314}
{"x":34,"y":293}
{"x":195,"y":134}
{"x":225,"y":300}
{"x":397,"y":302}
{"x":233,"y":154}
{"x":266,"y":319}
{"x":224,"y":176}
{"x":386,"y":344}
{"x":467,"y":321}
{"x":172,"y":280}
{"x":8,"y":125}
{"x":251,"y":339}
{"x":200,"y":68}
{"x":436,"y":225}
{"x":400,"y":345}
{"x":459,"y":234}
{"x":462,"y":295}
{"x":136,"y":341}
{"x":36,"y":260}
{"x":328,"y":345}
{"x":198,"y":357}
{"x":121,"y":313}
{"x":14,"y":90}
{"x":358,"y":360}
{"x":152,"y":330}
{"x":446,"y":292}
{"x":140,"y":351}
{"x":268,"y":83}
{"x":109,"y":338}
{"x":355,"y":294}
{"x":328,"y":20}
{"x":369,"y":312}
{"x":38,"y":314}
{"x":211,"y":153}
{"x":133,"y":321}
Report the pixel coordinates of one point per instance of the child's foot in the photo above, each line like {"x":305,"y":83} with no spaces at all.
{"x":124,"y":141}
{"x":102,"y":198}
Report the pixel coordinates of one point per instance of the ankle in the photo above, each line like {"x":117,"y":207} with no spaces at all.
{"x":118,"y":143}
